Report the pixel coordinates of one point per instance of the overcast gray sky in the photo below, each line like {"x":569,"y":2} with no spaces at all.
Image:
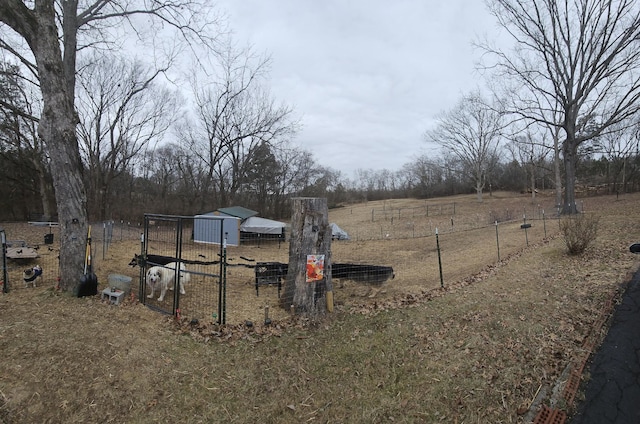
{"x":367,"y":77}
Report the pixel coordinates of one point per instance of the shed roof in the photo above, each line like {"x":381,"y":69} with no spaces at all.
{"x":255,"y":224}
{"x":238,"y":212}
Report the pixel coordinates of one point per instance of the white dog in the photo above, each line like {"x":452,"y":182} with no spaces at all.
{"x":164,"y":276}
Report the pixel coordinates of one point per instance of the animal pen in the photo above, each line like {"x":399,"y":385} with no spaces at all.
{"x":247,"y":281}
{"x":27,"y":252}
{"x":169,"y":239}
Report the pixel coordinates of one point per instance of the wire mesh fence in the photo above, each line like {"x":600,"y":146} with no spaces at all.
{"x":408,"y":261}
{"x":416,"y":222}
{"x":30,"y":257}
{"x":190,"y":269}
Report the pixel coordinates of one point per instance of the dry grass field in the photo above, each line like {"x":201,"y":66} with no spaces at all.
{"x":482,"y":348}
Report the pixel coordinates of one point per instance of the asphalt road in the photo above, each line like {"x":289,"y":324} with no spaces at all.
{"x":613,"y":393}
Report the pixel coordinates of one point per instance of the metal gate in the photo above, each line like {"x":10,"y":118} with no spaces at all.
{"x":168,"y":240}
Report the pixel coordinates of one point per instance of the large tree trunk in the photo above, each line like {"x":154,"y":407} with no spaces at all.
{"x":479,"y":185}
{"x":58,"y":129}
{"x":310,"y":235}
{"x":44,"y":187}
{"x":533,"y":181}
{"x":479,"y":194}
{"x":624,"y":174}
{"x":556,"y":168}
{"x":570,"y":153}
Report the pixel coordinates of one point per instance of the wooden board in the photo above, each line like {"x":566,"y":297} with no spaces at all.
{"x":21,"y":253}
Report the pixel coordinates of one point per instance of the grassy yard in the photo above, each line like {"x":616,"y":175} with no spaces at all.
{"x":479,"y":350}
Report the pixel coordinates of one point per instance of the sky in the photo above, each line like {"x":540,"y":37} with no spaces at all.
{"x":367,"y":78}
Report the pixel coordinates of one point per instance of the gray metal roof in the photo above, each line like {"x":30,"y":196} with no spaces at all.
{"x":238,"y":212}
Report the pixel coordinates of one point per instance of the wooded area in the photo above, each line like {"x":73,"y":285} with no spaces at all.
{"x":26,"y":192}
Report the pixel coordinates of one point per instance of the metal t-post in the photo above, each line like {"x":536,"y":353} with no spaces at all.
{"x":439,"y":259}
{"x":497,"y":241}
{"x":5,"y":274}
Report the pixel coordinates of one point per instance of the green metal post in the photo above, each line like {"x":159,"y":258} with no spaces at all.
{"x":224,"y":280}
{"x":176,"y":280}
{"x":497,"y":241}
{"x":141,"y":289}
{"x":104,"y":239}
{"x":439,"y":259}
{"x":220,"y":289}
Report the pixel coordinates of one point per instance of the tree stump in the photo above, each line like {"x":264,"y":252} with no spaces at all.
{"x":308,"y":288}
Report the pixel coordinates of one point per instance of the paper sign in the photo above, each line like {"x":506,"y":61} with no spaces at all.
{"x":315,"y":268}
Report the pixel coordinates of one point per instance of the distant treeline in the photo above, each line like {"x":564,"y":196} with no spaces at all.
{"x":27,"y":193}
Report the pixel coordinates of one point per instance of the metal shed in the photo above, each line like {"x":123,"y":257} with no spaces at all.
{"x":207,"y":228}
{"x":246,"y":225}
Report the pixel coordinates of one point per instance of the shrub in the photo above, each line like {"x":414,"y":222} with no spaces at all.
{"x":579,"y":231}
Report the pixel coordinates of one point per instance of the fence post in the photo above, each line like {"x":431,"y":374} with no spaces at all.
{"x":104,"y":239}
{"x":223,"y":283}
{"x":526,"y":235}
{"x":176,"y":280}
{"x":142,"y":272}
{"x":439,"y":259}
{"x":497,"y":241}
{"x":5,"y":274}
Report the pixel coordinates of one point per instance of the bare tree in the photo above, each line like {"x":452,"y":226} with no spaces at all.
{"x":261,"y":179}
{"x":547,"y":110}
{"x":122,"y":111}
{"x":471,"y":131}
{"x":161,"y":173}
{"x":46,"y":38}
{"x":19,"y":116}
{"x":618,"y":148}
{"x":425,"y":177}
{"x":582,"y":56}
{"x":296,"y":170}
{"x":235,"y":114}
{"x":531,"y":151}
